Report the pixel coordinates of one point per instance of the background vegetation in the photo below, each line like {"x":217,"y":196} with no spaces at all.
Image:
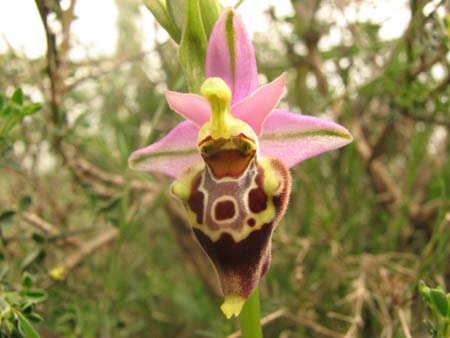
{"x":99,"y":251}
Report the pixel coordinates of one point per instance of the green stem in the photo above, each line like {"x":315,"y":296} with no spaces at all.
{"x":250,"y":317}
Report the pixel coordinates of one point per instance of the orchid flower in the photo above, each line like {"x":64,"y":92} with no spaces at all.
{"x":231,"y":158}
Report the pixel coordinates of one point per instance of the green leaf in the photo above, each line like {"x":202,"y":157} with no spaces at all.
{"x":38,"y":238}
{"x":34,"y":317}
{"x":26,"y":307}
{"x":2,"y":102}
{"x":36,"y":255}
{"x":439,"y":301}
{"x":31,"y":108}
{"x":6,"y":216}
{"x":25,"y":202}
{"x":159,"y":11}
{"x":3,"y":271}
{"x":34,"y":295}
{"x":26,"y":328}
{"x":27,"y":281}
{"x":17,"y":96}
{"x":448,"y":300}
{"x":110,"y":205}
{"x":12,"y":297}
{"x":424,"y":292}
{"x":430,"y":328}
{"x":8,"y":110}
{"x":210,"y":10}
{"x":192,"y":51}
{"x":8,"y":327}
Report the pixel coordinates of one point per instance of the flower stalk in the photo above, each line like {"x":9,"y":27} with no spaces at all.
{"x":250,"y":317}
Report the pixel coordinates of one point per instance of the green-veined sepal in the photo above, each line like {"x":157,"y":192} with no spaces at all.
{"x":171,"y":155}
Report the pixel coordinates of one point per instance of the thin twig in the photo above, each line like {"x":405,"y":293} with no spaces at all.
{"x":85,"y":250}
{"x":49,"y":229}
{"x":41,"y":224}
{"x":404,"y":322}
{"x":314,"y":326}
{"x":264,"y":321}
{"x":107,"y":70}
{"x":382,"y":181}
{"x":358,"y":296}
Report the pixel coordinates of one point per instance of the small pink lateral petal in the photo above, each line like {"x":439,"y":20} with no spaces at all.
{"x":293,"y":138}
{"x":193,"y":107}
{"x":172,"y":154}
{"x":230,"y":55}
{"x":255,"y":108}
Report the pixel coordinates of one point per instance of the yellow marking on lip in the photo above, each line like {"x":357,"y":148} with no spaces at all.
{"x":271,"y":182}
{"x":181,"y":188}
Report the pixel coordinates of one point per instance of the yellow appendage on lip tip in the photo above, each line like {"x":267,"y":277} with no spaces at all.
{"x":232,"y":305}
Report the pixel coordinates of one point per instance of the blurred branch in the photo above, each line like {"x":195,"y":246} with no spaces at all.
{"x":116,"y":65}
{"x":313,"y":326}
{"x":57,"y":64}
{"x":443,"y":84}
{"x":52,"y":59}
{"x":57,"y":57}
{"x":358,"y":298}
{"x":86,"y":170}
{"x":427,"y":62}
{"x":41,"y":224}
{"x":68,"y":17}
{"x":90,"y":170}
{"x":445,"y":122}
{"x":381,"y":180}
{"x":85,"y":250}
{"x":387,"y":189}
{"x":413,"y":25}
{"x":8,"y":44}
{"x":404,"y":323}
{"x":49,"y":229}
{"x":438,"y":241}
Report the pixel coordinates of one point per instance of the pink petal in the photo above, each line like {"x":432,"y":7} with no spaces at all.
{"x":230,"y":55}
{"x":193,"y":107}
{"x":293,"y":138}
{"x":172,"y":154}
{"x":255,"y":108}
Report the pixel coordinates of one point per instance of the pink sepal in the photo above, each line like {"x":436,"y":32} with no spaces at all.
{"x":172,"y":154}
{"x":293,"y":138}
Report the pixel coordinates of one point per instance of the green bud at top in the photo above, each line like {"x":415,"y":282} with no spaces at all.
{"x":192,"y":50}
{"x":159,"y":11}
{"x":210,"y":13}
